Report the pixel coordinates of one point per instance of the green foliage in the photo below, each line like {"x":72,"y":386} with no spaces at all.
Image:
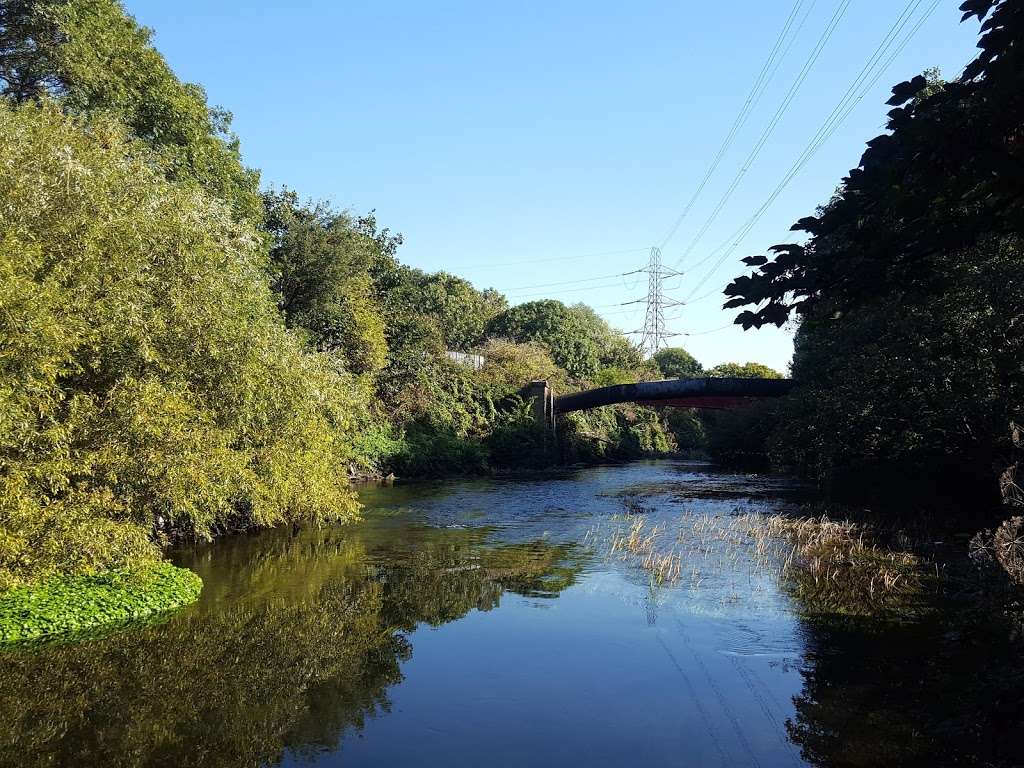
{"x":615,"y":432}
{"x":94,"y":57}
{"x":516,"y":441}
{"x":321,"y":262}
{"x":182,"y":357}
{"x":614,"y":350}
{"x":579,"y":341}
{"x":688,"y":429}
{"x":610,"y":375}
{"x":145,"y":376}
{"x":909,"y":291}
{"x":509,"y":366}
{"x":60,"y":605}
{"x":744,"y":437}
{"x":447,"y":311}
{"x":25,"y":37}
{"x":426,"y":314}
{"x":745,"y":371}
{"x":460,"y":310}
{"x":677,"y":363}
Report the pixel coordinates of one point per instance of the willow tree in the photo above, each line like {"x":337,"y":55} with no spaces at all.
{"x":147,"y":384}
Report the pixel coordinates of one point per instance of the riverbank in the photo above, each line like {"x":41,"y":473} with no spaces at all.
{"x":77,"y":604}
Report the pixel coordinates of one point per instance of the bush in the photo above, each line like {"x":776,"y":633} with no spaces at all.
{"x":615,"y":432}
{"x":517,"y":441}
{"x":743,"y":438}
{"x":677,"y":363}
{"x":147,"y":383}
{"x":687,"y":427}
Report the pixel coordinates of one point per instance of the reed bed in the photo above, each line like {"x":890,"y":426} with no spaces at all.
{"x":828,"y":566}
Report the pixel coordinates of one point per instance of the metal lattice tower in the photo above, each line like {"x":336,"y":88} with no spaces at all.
{"x":654,"y":333}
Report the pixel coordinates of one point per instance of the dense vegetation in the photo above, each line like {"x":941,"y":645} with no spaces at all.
{"x":908,"y":293}
{"x":185,"y":355}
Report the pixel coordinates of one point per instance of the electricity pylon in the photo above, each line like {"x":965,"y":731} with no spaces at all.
{"x":654,"y":333}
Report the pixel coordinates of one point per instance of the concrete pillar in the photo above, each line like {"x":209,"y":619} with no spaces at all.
{"x":539,"y":394}
{"x":551,"y":409}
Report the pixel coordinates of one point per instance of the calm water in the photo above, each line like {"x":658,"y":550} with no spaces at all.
{"x":483,"y":623}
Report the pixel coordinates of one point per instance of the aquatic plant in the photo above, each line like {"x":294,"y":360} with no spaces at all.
{"x":828,"y":566}
{"x":838,"y":566}
{"x":61,"y":605}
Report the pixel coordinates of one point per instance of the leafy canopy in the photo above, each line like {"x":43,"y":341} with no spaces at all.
{"x":146,"y":380}
{"x":908,"y":290}
{"x":745,"y":371}
{"x":577,"y":338}
{"x":96,"y":59}
{"x":321,"y":265}
{"x":677,"y":363}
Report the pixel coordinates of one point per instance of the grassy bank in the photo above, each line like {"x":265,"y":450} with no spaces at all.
{"x":64,"y":605}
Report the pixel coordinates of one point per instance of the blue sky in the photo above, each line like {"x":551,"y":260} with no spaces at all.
{"x":525,"y":145}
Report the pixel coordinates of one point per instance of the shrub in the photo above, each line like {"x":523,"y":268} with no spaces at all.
{"x":743,"y":437}
{"x":147,"y":383}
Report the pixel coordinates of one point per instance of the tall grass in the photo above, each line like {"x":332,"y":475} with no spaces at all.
{"x":827,"y":566}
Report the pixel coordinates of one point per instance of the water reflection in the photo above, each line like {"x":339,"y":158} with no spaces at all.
{"x":476,"y":624}
{"x":295,"y":643}
{"x":942,"y":692}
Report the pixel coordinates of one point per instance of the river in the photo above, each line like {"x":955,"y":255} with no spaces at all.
{"x":487,"y":623}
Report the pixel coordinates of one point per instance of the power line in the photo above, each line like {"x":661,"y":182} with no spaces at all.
{"x":769,"y":129}
{"x":843,"y":109}
{"x":572,"y":282}
{"x":760,"y":84}
{"x":690,"y":333}
{"x":568,"y":290}
{"x":517,"y":262}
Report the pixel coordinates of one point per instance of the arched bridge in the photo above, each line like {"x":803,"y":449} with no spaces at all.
{"x":684,"y":393}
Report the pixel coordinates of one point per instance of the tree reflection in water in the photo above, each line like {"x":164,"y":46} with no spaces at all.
{"x":946,"y":691}
{"x":293,"y":644}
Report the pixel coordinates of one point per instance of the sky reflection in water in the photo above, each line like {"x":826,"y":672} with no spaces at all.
{"x":483,"y":623}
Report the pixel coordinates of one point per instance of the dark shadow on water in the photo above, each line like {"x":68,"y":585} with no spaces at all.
{"x":946,"y":691}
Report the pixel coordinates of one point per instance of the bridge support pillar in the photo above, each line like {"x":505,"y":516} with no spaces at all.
{"x":543,"y":404}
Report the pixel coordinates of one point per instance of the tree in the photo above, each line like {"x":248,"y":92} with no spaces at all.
{"x":321,"y":263}
{"x":552,"y":324}
{"x":94,"y":58}
{"x":677,"y":363}
{"x":614,"y":350}
{"x":147,"y":384}
{"x":908,"y":292}
{"x":745,"y":371}
{"x":25,"y":38}
{"x":461,"y":311}
{"x":577,"y":338}
{"x":509,"y":366}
